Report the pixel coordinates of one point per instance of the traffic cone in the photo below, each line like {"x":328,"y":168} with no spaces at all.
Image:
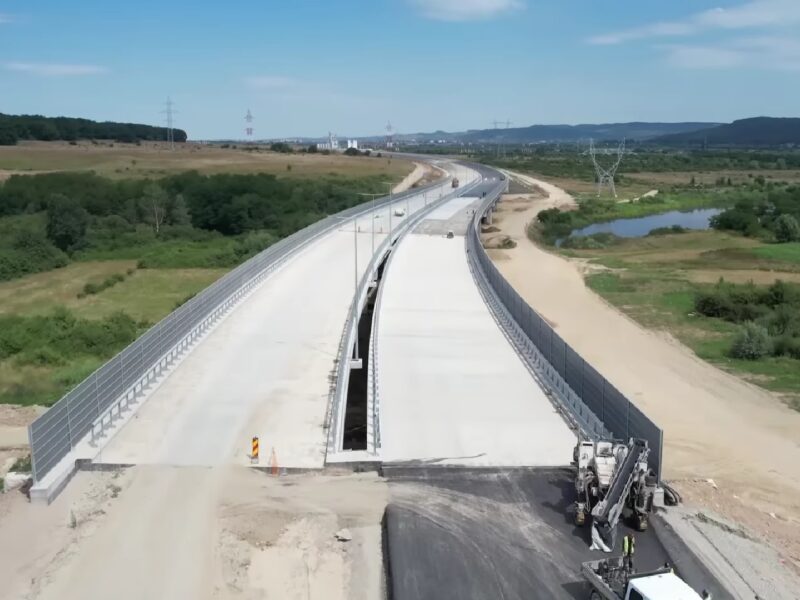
{"x":274,"y":462}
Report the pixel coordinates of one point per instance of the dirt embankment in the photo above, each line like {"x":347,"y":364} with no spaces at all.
{"x":716,"y":426}
{"x":423,"y":173}
{"x":200,"y":533}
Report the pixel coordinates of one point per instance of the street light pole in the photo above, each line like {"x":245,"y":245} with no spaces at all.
{"x":355,"y":284}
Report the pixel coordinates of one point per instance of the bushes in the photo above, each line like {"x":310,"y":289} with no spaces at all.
{"x":771,"y":312}
{"x":751,"y":343}
{"x":55,"y":338}
{"x":591,"y":242}
{"x":95,"y":288}
{"x":29,"y":252}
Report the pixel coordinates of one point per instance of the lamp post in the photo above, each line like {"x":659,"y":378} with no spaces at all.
{"x":355,"y":360}
{"x":372,"y":225}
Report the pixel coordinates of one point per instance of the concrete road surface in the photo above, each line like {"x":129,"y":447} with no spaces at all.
{"x":265,"y":370}
{"x":451,"y":388}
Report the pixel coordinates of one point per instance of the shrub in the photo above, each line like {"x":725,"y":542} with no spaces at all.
{"x":786,"y":228}
{"x":751,"y":343}
{"x":787,"y":346}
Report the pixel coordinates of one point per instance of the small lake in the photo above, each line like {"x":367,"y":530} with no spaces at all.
{"x":641,"y":226}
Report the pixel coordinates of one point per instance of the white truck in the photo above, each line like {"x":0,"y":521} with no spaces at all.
{"x":612,"y":580}
{"x":399,"y":212}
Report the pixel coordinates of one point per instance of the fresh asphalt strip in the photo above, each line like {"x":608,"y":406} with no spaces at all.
{"x":466,"y":533}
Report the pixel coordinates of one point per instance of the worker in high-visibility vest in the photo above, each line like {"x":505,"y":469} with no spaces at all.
{"x":628,"y":550}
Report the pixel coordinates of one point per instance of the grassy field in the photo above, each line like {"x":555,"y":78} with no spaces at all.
{"x":654,"y":280}
{"x":146,"y":295}
{"x":154,"y":160}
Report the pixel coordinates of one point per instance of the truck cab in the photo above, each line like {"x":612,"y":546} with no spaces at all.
{"x":664,"y":586}
{"x":611,"y":579}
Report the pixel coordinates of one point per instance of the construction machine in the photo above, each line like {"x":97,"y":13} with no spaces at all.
{"x":612,"y":579}
{"x":612,"y":481}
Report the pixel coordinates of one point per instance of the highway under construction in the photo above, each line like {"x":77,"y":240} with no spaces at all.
{"x":479,"y":471}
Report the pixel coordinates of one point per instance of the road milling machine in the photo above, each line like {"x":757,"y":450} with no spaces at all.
{"x":612,"y":481}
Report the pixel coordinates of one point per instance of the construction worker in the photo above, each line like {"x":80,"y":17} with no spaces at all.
{"x":628,"y":550}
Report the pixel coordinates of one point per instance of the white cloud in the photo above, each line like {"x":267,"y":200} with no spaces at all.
{"x":270,"y":82}
{"x":466,"y":10}
{"x":773,"y":53}
{"x":750,"y":15}
{"x":55,"y":70}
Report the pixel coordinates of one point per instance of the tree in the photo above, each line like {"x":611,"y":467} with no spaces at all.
{"x":179,"y":212}
{"x":154,"y":205}
{"x":66,"y":222}
{"x":786,"y":228}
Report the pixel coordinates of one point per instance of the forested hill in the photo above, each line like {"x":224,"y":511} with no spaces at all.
{"x":758,"y":131}
{"x":35,"y":127}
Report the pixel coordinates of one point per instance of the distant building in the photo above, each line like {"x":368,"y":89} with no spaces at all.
{"x":352,"y":144}
{"x":331,"y":144}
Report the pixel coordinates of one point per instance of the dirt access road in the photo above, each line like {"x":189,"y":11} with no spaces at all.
{"x":715,"y":425}
{"x":196,"y":533}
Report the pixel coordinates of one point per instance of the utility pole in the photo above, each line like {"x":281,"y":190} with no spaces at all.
{"x":373,"y":217}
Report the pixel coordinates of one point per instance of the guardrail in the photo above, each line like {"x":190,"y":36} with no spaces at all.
{"x":592,"y":404}
{"x":94,"y":404}
{"x":339,"y":397}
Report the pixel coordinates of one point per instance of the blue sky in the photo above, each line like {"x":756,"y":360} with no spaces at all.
{"x":306,"y":67}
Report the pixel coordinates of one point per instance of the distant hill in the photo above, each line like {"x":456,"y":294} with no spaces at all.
{"x":758,"y":131}
{"x":37,"y":127}
{"x":561,"y":133}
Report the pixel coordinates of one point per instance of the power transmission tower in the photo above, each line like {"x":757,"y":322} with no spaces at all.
{"x":248,"y":130}
{"x":389,"y":135}
{"x":500,"y":147}
{"x":605,"y":176}
{"x":170,"y":112}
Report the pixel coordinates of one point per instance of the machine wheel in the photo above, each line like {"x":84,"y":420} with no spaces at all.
{"x":595,"y":595}
{"x":641,"y":523}
{"x":580,"y":518}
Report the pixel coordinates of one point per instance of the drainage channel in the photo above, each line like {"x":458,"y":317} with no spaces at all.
{"x":355,"y":416}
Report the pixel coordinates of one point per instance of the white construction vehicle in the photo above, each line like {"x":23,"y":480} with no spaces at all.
{"x":399,"y":212}
{"x":612,"y":481}
{"x":612,"y":580}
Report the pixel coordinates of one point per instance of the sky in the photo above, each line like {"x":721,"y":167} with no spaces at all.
{"x":306,"y":67}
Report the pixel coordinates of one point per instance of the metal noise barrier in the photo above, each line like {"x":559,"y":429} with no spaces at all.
{"x":100,"y":398}
{"x":593,"y":405}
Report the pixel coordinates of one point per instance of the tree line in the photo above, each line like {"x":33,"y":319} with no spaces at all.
{"x":197,"y":220}
{"x":775,"y":216}
{"x":36,"y":127}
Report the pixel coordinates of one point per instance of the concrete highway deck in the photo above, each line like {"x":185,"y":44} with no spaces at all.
{"x":263,"y":371}
{"x":451,"y":388}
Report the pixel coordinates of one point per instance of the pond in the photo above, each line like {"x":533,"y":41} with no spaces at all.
{"x":630,"y":228}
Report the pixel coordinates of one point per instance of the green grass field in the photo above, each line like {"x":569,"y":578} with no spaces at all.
{"x":147,"y":295}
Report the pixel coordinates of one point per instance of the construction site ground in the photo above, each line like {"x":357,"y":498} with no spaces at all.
{"x":504,"y":533}
{"x":731,"y":448}
{"x":196,"y":533}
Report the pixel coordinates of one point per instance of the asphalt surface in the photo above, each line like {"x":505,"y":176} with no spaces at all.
{"x":466,"y":534}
